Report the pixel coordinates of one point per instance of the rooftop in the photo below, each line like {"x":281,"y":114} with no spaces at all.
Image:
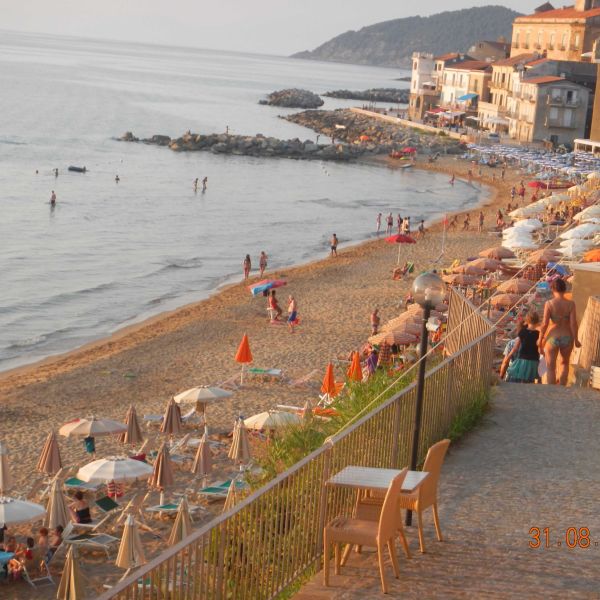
{"x":568,"y":12}
{"x":515,"y":60}
{"x":471,"y":65}
{"x":543,"y":79}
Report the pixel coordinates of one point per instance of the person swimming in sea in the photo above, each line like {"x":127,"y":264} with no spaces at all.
{"x":117,"y":178}
{"x":53,"y":199}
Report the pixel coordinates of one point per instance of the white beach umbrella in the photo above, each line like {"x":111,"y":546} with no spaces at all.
{"x":116,"y":468}
{"x":202,"y":394}
{"x":274,"y":419}
{"x":571,"y":248}
{"x":14,"y":511}
{"x":92,"y":427}
{"x":586,"y":230}
{"x":6,"y":480}
{"x":531,"y":224}
{"x":590,"y":211}
{"x":523,"y":211}
{"x":520,"y":244}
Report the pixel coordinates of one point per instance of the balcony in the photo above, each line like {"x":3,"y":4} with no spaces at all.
{"x":550,"y":46}
{"x":554,"y":101}
{"x":562,"y":48}
{"x":575,"y":103}
{"x":573,"y":48}
{"x":514,"y":45}
{"x":537,"y":46}
{"x":558,"y":123}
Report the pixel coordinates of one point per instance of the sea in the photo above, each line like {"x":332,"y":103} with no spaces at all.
{"x":111,"y":254}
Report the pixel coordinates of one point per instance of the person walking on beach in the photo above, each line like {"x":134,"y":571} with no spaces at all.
{"x":375,"y":320}
{"x":399,"y":221}
{"x":480,"y":222}
{"x":262,"y":262}
{"x":524,"y":355}
{"x":452,"y":179}
{"x":421,"y":230}
{"x":502,"y":173}
{"x":247,"y":266}
{"x":406,"y":226}
{"x":522,"y":192}
{"x":52,"y":198}
{"x":334,"y":245}
{"x":274,"y":306}
{"x":292,"y":313}
{"x":466,"y":222}
{"x":55,"y":173}
{"x":390,"y":224}
{"x":513,"y":193}
{"x":470,"y":175}
{"x":378,"y":222}
{"x":453,"y":222}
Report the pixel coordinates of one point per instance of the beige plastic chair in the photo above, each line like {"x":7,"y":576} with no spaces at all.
{"x":359,"y":532}
{"x":423,"y":497}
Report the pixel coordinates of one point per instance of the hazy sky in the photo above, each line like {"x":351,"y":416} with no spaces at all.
{"x":266,"y":26}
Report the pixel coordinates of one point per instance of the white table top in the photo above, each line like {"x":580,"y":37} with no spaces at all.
{"x":375,"y":479}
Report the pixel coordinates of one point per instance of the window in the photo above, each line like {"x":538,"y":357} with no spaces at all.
{"x":551,"y":44}
{"x":563,"y":41}
{"x":415,"y":65}
{"x":577,"y":40}
{"x":527,"y":39}
{"x":553,"y":113}
{"x":475,"y":85}
{"x":517,"y":35}
{"x":568,"y":118}
{"x":540,"y":36}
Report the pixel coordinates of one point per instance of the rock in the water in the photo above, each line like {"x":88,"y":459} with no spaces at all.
{"x":293,"y":98}
{"x":128,"y":137}
{"x":399,"y":96}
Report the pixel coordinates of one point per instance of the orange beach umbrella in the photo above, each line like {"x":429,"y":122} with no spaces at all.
{"x":592,"y":256}
{"x":328,"y":386}
{"x":243,"y":355}
{"x":355,"y":372}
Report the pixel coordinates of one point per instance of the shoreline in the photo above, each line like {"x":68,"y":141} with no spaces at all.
{"x":127,"y":336}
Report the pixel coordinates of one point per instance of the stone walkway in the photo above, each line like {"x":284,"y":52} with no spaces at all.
{"x":534,"y":462}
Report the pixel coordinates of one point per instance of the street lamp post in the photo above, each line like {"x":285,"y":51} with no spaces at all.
{"x":428,"y":291}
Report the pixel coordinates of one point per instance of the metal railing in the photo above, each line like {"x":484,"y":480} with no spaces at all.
{"x":271,"y":538}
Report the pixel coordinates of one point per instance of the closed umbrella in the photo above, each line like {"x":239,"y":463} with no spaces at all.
{"x":14,"y":511}
{"x":505,"y":300}
{"x":131,"y":552}
{"x":328,"y":386}
{"x":240,"y":446}
{"x":57,"y":512}
{"x":71,"y":582}
{"x":182,"y":527}
{"x":202,"y":464}
{"x":171,"y":423}
{"x":354,"y":372}
{"x":6,"y":480}
{"x":133,"y":435}
{"x":497,"y":253}
{"x":515,"y":286}
{"x":162,"y":473}
{"x":243,"y":355}
{"x":50,"y":461}
{"x":114,"y":468}
{"x":232,"y":496}
{"x":272,"y":420}
{"x":400,"y":239}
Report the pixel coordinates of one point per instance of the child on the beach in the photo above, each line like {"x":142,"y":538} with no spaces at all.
{"x":375,"y":320}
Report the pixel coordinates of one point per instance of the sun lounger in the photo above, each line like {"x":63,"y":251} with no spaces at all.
{"x":230,"y":383}
{"x":93,"y":541}
{"x":73,"y":483}
{"x":272,"y":373}
{"x":306,"y":380}
{"x":220,"y":490}
{"x":40,"y":573}
{"x":172,"y":507}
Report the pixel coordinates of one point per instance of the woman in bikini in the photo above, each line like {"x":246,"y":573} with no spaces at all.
{"x":558,"y":333}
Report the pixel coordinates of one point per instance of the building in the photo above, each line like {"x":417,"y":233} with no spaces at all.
{"x":426,"y":81}
{"x":490,"y":51}
{"x":465,"y":83}
{"x":548,"y":108}
{"x":559,"y":33}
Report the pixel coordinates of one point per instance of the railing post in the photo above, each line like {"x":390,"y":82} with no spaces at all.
{"x":396,"y":434}
{"x":323,"y":498}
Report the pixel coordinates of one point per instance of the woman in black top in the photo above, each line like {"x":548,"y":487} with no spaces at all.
{"x":525,"y":353}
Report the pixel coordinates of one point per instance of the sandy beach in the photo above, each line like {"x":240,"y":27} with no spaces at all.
{"x":148,"y":363}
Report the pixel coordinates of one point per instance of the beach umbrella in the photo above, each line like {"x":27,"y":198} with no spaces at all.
{"x":523,"y":211}
{"x":460,"y":279}
{"x":545,"y":255}
{"x":307,"y":411}
{"x":202,"y":464}
{"x":57,"y":512}
{"x":554,"y":200}
{"x":537,"y":184}
{"x":571,"y":248}
{"x":393,"y":338}
{"x":586,"y":213}
{"x":6,"y":479}
{"x":515,"y":286}
{"x":505,"y":300}
{"x":586,"y":230}
{"x":243,"y":355}
{"x":15,"y":512}
{"x":256,"y":289}
{"x":400,"y":239}
{"x":71,"y":582}
{"x":411,"y":327}
{"x":91,"y":427}
{"x":516,"y":243}
{"x":202,"y":396}
{"x":240,"y":445}
{"x":162,"y":473}
{"x":328,"y":386}
{"x":114,"y":468}
{"x":594,"y":175}
{"x":408,"y":150}
{"x":171,"y":423}
{"x":530,"y":224}
{"x":487,"y":264}
{"x":182,"y":527}
{"x":497,"y":253}
{"x":131,"y":552}
{"x":232,"y":496}
{"x":469,"y":269}
{"x":272,"y":420}
{"x":354,"y":372}
{"x":385,"y":354}
{"x":133,"y":435}
{"x":592,"y":256}
{"x":50,"y":462}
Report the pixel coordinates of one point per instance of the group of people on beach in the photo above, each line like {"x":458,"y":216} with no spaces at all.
{"x":247,"y":264}
{"x":204,"y":184}
{"x":402,"y":223}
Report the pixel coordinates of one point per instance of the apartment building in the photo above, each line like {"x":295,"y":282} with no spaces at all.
{"x":548,"y":108}
{"x":560,"y":33}
{"x":465,"y":83}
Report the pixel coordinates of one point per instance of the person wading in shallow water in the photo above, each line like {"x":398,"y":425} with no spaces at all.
{"x":53,"y":199}
{"x":247,"y":266}
{"x":334,"y":245}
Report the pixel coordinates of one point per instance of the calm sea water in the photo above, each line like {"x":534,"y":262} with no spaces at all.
{"x":110,"y":254}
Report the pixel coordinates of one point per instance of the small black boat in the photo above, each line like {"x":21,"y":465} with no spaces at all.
{"x":77,"y":169}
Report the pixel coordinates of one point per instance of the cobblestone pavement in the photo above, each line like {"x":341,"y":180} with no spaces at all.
{"x":534,"y":462}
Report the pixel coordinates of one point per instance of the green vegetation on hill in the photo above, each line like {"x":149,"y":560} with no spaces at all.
{"x":392,"y":43}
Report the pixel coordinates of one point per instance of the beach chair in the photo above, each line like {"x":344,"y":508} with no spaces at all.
{"x":173,"y":507}
{"x":73,"y":483}
{"x":305,"y":380}
{"x":265,"y":373}
{"x":219,"y":491}
{"x":35,"y":578}
{"x":192,"y":417}
{"x":230,"y":383}
{"x":92,"y":541}
{"x":152,"y":419}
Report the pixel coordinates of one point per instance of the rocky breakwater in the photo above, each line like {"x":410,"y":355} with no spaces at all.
{"x":293,"y":98}
{"x":257,"y":145}
{"x":377,"y":135}
{"x":394,"y":95}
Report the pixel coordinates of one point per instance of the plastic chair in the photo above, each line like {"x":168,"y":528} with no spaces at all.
{"x":360,"y":532}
